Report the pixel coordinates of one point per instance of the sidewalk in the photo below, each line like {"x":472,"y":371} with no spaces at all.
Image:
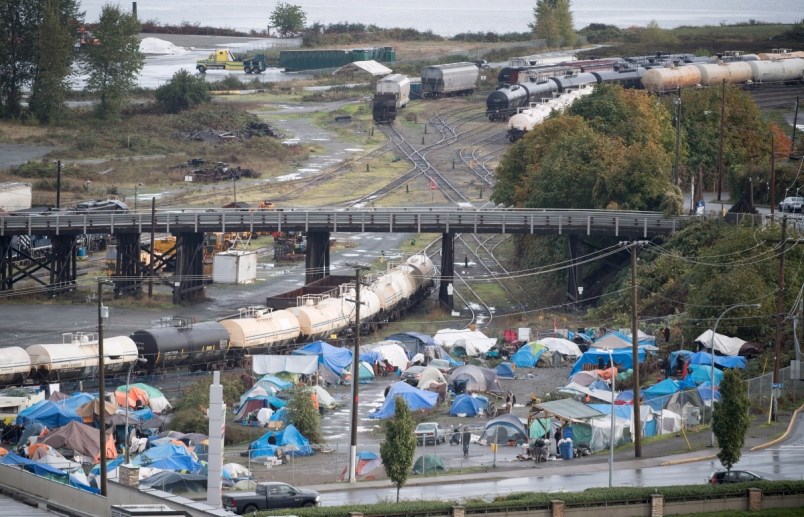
{"x":655,"y":452}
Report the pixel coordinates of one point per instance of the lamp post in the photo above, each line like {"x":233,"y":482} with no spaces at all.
{"x":128,"y":382}
{"x":611,"y":439}
{"x":355,"y":376}
{"x":712,"y":380}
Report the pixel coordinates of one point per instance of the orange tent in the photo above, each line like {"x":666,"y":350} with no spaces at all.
{"x":3,"y":452}
{"x":134,"y":394}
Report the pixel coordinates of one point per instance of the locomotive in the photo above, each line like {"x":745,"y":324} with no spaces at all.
{"x":181,"y":343}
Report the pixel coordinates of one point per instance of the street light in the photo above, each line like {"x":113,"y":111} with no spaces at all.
{"x":712,"y":380}
{"x":611,"y":439}
{"x":128,"y":382}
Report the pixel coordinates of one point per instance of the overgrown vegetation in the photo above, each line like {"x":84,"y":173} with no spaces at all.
{"x":304,"y":415}
{"x":182,"y":92}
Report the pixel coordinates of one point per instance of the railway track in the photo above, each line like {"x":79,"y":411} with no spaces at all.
{"x":776,"y":97}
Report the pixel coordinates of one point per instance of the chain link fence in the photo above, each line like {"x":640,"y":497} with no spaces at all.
{"x":760,"y":389}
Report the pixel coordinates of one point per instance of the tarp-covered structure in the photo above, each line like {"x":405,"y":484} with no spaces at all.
{"x":701,"y":373}
{"x":268,"y":364}
{"x":429,"y":376}
{"x":723,"y":344}
{"x":391,"y":351}
{"x":504,"y":429}
{"x":254,"y":404}
{"x":367,"y":466}
{"x":153,"y":397}
{"x":289,"y":440}
{"x":475,"y":378}
{"x":82,"y":439}
{"x":464,"y":342}
{"x":91,"y":410}
{"x":468,"y":405}
{"x":415,"y":343}
{"x":175,"y":482}
{"x":417,"y":400}
{"x":49,"y":414}
{"x":169,"y":456}
{"x":336,"y":360}
{"x":78,"y":480}
{"x":622,"y":357}
{"x":561,"y":346}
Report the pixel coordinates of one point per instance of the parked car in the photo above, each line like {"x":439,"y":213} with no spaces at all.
{"x":431,"y":432}
{"x":791,"y":204}
{"x":270,"y":495}
{"x":412,"y":375}
{"x":442,"y":365}
{"x":734,"y":476}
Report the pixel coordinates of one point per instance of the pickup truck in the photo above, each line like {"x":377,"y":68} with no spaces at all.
{"x":270,"y":495}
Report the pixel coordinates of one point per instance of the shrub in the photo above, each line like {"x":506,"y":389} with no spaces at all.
{"x":182,"y":92}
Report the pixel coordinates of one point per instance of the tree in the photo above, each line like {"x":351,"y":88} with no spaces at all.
{"x":182,"y":92}
{"x":54,"y":56}
{"x":304,"y":415}
{"x":730,"y":419}
{"x":113,"y":64}
{"x":288,"y":19}
{"x":552,"y":21}
{"x":399,"y":447}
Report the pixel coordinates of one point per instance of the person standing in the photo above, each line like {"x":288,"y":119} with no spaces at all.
{"x":465,"y":437}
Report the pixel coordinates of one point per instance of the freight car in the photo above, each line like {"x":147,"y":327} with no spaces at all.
{"x":735,"y":72}
{"x":450,"y":79}
{"x":77,"y":357}
{"x":525,"y":120}
{"x":391,"y":95}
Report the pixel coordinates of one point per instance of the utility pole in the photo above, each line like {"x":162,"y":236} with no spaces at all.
{"x":777,"y":386}
{"x":793,"y":136}
{"x":355,"y":375}
{"x":58,"y":184}
{"x":635,"y":352}
{"x":103,"y":312}
{"x":773,"y":179}
{"x":677,"y":102}
{"x":720,"y":143}
{"x":151,"y":261}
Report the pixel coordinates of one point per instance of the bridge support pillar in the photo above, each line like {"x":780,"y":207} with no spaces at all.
{"x":316,"y":259}
{"x":63,"y":264}
{"x":575,"y":276}
{"x":188,"y":280}
{"x":128,"y":269}
{"x":6,"y":270}
{"x":447,"y":269}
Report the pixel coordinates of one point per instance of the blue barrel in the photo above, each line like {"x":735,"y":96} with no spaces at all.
{"x":82,"y":252}
{"x":566,"y":432}
{"x":566,"y":450}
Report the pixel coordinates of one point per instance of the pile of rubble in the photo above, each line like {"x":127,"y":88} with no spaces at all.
{"x":212,"y":136}
{"x":206,"y":172}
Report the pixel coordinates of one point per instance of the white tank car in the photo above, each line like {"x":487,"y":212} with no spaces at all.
{"x":319,"y":317}
{"x":527,"y":119}
{"x":369,"y":301}
{"x":393,"y":288}
{"x":258,"y":329}
{"x":15,"y":365}
{"x":663,"y":79}
{"x":775,"y":71}
{"x":423,"y":269}
{"x":78,"y":357}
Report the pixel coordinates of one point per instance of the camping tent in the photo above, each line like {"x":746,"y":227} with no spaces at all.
{"x":366,"y":468}
{"x":81,"y":438}
{"x":334,"y":358}
{"x":429,"y":376}
{"x":428,"y":463}
{"x":561,"y":346}
{"x":476,"y":378}
{"x":467,"y":405}
{"x":464,"y":342}
{"x":701,"y":373}
{"x":256,"y":403}
{"x":174,"y":482}
{"x":73,"y":401}
{"x":413,"y":342}
{"x":289,"y":439}
{"x":365,"y":372}
{"x":324,"y":398}
{"x":417,"y":400}
{"x":613,"y":341}
{"x":505,"y":371}
{"x":622,"y":357}
{"x":392,"y":351}
{"x":528,"y":355}
{"x":723,"y":344}
{"x":169,"y":456}
{"x":47,"y":413}
{"x":89,"y":411}
{"x":504,"y":429}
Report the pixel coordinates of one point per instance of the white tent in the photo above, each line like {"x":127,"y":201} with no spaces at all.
{"x":561,"y":345}
{"x":670,"y":422}
{"x":578,"y":389}
{"x":393,"y":351}
{"x":473,"y":341}
{"x":723,"y":344}
{"x":264,"y":364}
{"x":613,"y":342}
{"x":429,"y":376}
{"x":601,"y":431}
{"x":324,"y":398}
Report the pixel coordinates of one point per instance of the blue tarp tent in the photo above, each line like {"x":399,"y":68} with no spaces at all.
{"x":276,"y":381}
{"x":289,"y":439}
{"x":468,"y":405}
{"x":417,"y":399}
{"x":40,"y":469}
{"x":76,"y":400}
{"x":334,"y":358}
{"x":625,"y":397}
{"x":701,"y":373}
{"x":658,"y":395}
{"x":506,"y":371}
{"x":48,"y":414}
{"x":168,"y":456}
{"x":724,"y":361}
{"x":504,"y":429}
{"x":370,"y":357}
{"x":528,"y":355}
{"x":620,"y":411}
{"x":143,"y":415}
{"x":705,"y":391}
{"x":622,"y":358}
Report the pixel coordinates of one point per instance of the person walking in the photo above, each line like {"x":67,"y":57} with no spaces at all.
{"x":465,"y":437}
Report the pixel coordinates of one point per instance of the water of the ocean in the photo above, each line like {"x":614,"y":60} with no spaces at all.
{"x":450,"y":17}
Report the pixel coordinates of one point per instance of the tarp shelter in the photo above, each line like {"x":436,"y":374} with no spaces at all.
{"x":568,"y":410}
{"x":724,"y":361}
{"x":413,"y":342}
{"x":366,"y":468}
{"x":418,"y":400}
{"x":467,"y":405}
{"x":174,"y":482}
{"x":47,"y":413}
{"x":723,"y":344}
{"x":335,"y":359}
{"x":476,"y":378}
{"x":91,"y":410}
{"x":49,"y":456}
{"x":169,"y":456}
{"x":370,"y":67}
{"x":156,"y":399}
{"x":253,"y":405}
{"x":601,"y":391}
{"x":324,"y":398}
{"x":81,"y":438}
{"x":505,"y":371}
{"x":528,"y":355}
{"x":613,"y":341}
{"x":561,"y":346}
{"x":365,"y":372}
{"x":504,"y":429}
{"x":643,"y":339}
{"x":75,"y":400}
{"x":392,"y":351}
{"x":40,"y":469}
{"x":268,"y":364}
{"x":622,"y":357}
{"x":705,"y":392}
{"x":274,"y":381}
{"x":289,"y":439}
{"x":429,"y":376}
{"x":464,"y":342}
{"x":701,"y":373}
{"x":136,"y":396}
{"x":428,"y":463}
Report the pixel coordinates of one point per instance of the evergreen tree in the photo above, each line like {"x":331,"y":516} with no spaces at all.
{"x":54,"y":55}
{"x":182,"y":92}
{"x":730,"y":419}
{"x":399,"y":447}
{"x":113,"y":64}
{"x":563,"y":17}
{"x":304,"y":415}
{"x":552,"y":21}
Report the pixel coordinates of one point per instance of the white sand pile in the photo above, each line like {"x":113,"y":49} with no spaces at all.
{"x":159,"y":46}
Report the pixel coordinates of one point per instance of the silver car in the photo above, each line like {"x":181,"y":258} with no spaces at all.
{"x":791,"y":204}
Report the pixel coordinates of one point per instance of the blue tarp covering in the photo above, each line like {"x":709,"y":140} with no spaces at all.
{"x":40,"y":469}
{"x":289,"y":439}
{"x":143,"y":415}
{"x":506,"y":370}
{"x":276,"y":381}
{"x":622,"y":357}
{"x":441,"y":353}
{"x":626,"y":396}
{"x":724,"y":361}
{"x":525,"y":358}
{"x":666,"y":387}
{"x":468,"y":405}
{"x":334,"y":358}
{"x":687,"y":383}
{"x":76,"y":400}
{"x":620,"y":411}
{"x":600,"y":386}
{"x":47,"y":413}
{"x":280,"y":414}
{"x":701,"y":373}
{"x":370,"y":357}
{"x":705,"y":391}
{"x":168,"y":456}
{"x":413,"y":342}
{"x":417,"y":399}
{"x":110,"y":465}
{"x":585,"y":337}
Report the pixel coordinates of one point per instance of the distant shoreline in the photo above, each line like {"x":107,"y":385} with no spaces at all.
{"x":204,"y":41}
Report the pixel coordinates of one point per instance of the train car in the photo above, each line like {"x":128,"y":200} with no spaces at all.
{"x":777,"y":71}
{"x":194,"y":345}
{"x":450,"y":79}
{"x":713,"y":74}
{"x":77,"y":357}
{"x":422,"y":270}
{"x":527,"y":119}
{"x":573,"y":81}
{"x":504,"y":101}
{"x":664,"y":79}
{"x":321,"y":316}
{"x":627,"y":78}
{"x":15,"y":366}
{"x":391,"y":95}
{"x":258,"y":329}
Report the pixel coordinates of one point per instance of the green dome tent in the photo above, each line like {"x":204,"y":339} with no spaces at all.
{"x":428,"y":463}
